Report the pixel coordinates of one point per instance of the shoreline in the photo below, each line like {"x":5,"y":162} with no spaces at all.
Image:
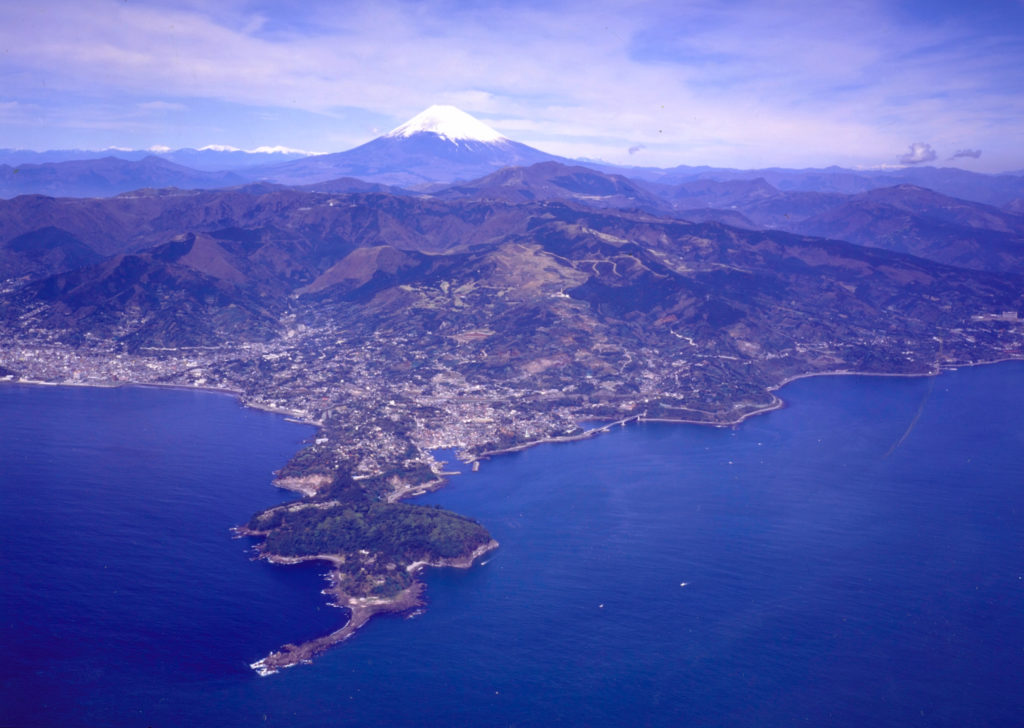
{"x":438,"y":482}
{"x":456,"y":562}
{"x":119,"y":385}
{"x":364,"y":608}
{"x":303,"y":418}
{"x":291,"y":415}
{"x":585,"y":435}
{"x":361,"y":609}
{"x":776,"y":403}
{"x":411,"y":491}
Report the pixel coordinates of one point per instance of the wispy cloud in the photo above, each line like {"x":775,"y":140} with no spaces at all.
{"x":739,"y":83}
{"x":966,"y":154}
{"x":161,"y":106}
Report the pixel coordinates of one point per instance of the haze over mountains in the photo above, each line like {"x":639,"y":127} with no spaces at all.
{"x":292,"y":229}
{"x":211,"y":158}
{"x":440,"y":145}
{"x":170,"y":267}
{"x":948,"y":215}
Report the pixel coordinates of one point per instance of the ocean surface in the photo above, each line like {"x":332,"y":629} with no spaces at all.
{"x":855,"y":559}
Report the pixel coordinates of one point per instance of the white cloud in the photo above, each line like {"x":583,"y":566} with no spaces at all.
{"x":745,"y":83}
{"x":919,"y":153}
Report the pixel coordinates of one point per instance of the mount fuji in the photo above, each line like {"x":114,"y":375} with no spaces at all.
{"x":440,"y":144}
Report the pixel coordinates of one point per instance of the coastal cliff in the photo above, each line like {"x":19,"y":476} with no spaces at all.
{"x":361,"y":607}
{"x":375,"y":549}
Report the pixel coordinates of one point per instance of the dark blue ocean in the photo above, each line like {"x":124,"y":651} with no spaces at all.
{"x":855,"y":559}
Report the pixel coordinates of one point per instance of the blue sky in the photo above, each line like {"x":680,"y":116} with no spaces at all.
{"x":724,"y":83}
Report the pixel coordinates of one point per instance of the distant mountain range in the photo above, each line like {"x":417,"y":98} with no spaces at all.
{"x":991,"y":189}
{"x":947,"y":215}
{"x":443,"y":145}
{"x":199,"y":267}
{"x":911,"y":219}
{"x":212,"y":158}
{"x":107,"y":176}
{"x":903,"y":218}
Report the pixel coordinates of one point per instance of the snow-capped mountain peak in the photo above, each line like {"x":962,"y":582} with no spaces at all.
{"x":449,"y":123}
{"x":258,"y":150}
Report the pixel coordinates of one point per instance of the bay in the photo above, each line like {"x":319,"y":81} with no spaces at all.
{"x":856,"y":558}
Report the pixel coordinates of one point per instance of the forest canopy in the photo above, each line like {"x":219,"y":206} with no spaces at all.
{"x":395,"y":532}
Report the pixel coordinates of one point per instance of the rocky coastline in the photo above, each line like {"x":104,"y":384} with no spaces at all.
{"x":361,"y":608}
